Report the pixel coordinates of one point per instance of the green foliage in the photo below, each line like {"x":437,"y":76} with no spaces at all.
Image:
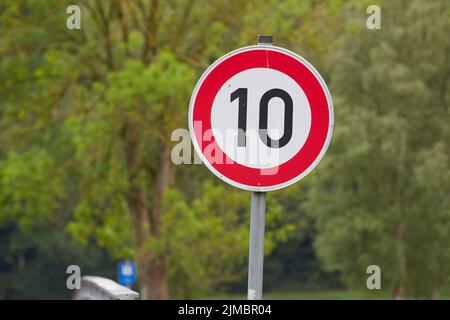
{"x":381,"y":194}
{"x":86,"y":116}
{"x":208,"y":237}
{"x":88,"y":112}
{"x":164,"y":85}
{"x":33,"y":264}
{"x":21,"y":174}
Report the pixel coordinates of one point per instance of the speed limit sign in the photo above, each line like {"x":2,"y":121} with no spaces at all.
{"x":261,"y":118}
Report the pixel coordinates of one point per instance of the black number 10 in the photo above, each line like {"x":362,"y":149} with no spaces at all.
{"x":241,"y":94}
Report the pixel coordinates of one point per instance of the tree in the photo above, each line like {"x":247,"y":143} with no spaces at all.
{"x":33,"y":264}
{"x":87,"y":114}
{"x":381,"y":195}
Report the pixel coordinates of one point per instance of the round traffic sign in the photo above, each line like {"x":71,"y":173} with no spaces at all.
{"x":261,"y":118}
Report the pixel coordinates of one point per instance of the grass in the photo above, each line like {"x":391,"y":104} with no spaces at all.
{"x":322,"y":295}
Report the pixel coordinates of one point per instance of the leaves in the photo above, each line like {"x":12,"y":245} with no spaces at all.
{"x":21,"y":174}
{"x":382,"y":193}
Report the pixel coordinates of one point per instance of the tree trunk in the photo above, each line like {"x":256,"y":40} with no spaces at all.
{"x":139,"y":209}
{"x":400,"y":231}
{"x":152,"y":268}
{"x":138,"y":206}
{"x":152,"y":271}
{"x":399,"y":290}
{"x":158,"y":271}
{"x":157,"y":279}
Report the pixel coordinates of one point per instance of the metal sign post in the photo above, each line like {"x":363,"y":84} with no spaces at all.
{"x":233,"y":96}
{"x":256,"y":250}
{"x":257,"y":226}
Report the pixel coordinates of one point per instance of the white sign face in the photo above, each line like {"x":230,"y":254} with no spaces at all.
{"x":261,"y":118}
{"x":127,"y":270}
{"x":254,"y":152}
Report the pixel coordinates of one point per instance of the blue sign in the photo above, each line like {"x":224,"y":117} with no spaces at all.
{"x":126,"y":273}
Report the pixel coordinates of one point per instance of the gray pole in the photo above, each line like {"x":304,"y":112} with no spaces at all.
{"x":257,"y":224}
{"x":256,"y":251}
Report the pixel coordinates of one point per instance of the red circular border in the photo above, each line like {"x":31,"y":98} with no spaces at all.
{"x":320,"y":117}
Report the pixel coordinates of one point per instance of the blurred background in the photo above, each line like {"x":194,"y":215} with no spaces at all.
{"x":86,"y":179}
